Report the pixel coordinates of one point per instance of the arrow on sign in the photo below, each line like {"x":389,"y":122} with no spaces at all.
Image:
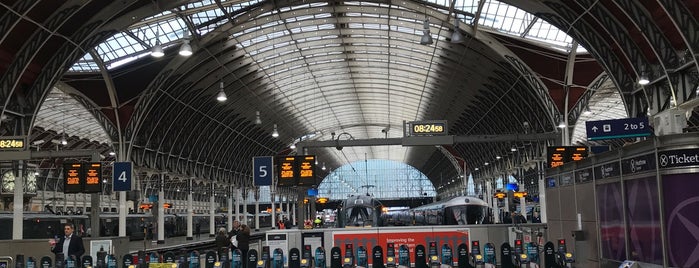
{"x":594,"y":129}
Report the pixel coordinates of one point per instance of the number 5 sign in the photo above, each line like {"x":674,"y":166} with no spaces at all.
{"x":122,"y":176}
{"x":262,"y":170}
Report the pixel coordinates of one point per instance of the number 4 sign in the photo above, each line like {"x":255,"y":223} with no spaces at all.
{"x":122,"y":176}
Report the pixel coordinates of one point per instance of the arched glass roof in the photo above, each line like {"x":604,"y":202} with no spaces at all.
{"x":169,"y":28}
{"x":381,"y":178}
{"x":604,"y":104}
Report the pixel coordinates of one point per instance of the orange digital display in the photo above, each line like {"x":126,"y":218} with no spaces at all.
{"x":93,"y":178}
{"x":73,"y":174}
{"x":559,"y":155}
{"x":286,"y":171}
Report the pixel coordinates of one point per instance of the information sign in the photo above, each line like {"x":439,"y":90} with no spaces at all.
{"x":122,"y":176}
{"x":13,"y":143}
{"x":286,"y":173}
{"x":93,"y":178}
{"x":306,"y":169}
{"x":617,"y":128}
{"x":262,"y":170}
{"x":428,"y":128}
{"x":559,"y":155}
{"x":72,"y":177}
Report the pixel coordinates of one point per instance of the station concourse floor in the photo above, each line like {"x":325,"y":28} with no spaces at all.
{"x":171,"y":243}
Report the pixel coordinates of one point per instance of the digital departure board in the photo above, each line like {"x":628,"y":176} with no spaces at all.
{"x":13,"y":143}
{"x":286,"y":171}
{"x":297,"y":170}
{"x":428,"y":128}
{"x":72,"y":177}
{"x":306,"y":169}
{"x":559,"y":155}
{"x":93,"y":178}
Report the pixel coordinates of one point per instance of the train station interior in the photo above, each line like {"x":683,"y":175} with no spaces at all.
{"x":164,"y":107}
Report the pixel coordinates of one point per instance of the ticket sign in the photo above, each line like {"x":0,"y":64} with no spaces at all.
{"x":72,"y":175}
{"x":559,"y":155}
{"x":286,"y":171}
{"x":93,"y":178}
{"x":306,"y":169}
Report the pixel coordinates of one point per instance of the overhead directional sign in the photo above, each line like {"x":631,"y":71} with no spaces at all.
{"x":93,"y":177}
{"x":262,"y":170}
{"x":122,"y":176}
{"x":559,"y":155}
{"x":73,"y":177}
{"x":286,"y":171}
{"x":617,"y":128}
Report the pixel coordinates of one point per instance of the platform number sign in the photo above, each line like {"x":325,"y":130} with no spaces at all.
{"x":122,"y":176}
{"x":263,"y":171}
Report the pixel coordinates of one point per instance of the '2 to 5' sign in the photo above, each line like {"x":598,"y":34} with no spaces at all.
{"x":262,"y":170}
{"x":122,"y":176}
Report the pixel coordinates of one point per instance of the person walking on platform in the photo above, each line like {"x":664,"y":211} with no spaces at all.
{"x":197,"y":229}
{"x":243,"y":238}
{"x":69,"y":245}
{"x":222,"y":243}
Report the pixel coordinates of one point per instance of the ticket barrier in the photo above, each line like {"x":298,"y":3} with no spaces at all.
{"x":476,"y":256}
{"x":447,"y":256}
{"x":319,"y":259}
{"x":336,"y":257}
{"x":45,"y":262}
{"x":390,"y":255}
{"x":433,"y":257}
{"x":362,"y":258}
{"x":506,"y":258}
{"x":404,"y":256}
{"x":521,"y":259}
{"x":463,"y":256}
{"x":253,"y":259}
{"x":489,"y":256}
{"x":348,"y":260}
{"x":277,"y":258}
{"x":377,"y":257}
{"x":532,"y":250}
{"x":306,"y":258}
{"x":236,"y":258}
{"x":294,"y":258}
{"x":566,"y":259}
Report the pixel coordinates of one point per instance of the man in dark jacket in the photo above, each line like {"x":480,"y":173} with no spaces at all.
{"x":69,"y":245}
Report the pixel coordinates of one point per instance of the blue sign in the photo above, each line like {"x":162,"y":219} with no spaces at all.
{"x":122,"y":176}
{"x":617,"y":128}
{"x":262,"y":170}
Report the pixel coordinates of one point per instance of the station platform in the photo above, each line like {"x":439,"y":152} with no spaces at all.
{"x":171,"y":243}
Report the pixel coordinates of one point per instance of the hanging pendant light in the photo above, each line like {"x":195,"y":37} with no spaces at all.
{"x":221,"y":97}
{"x":157,"y":50}
{"x":457,"y":37}
{"x":275,"y":133}
{"x":258,"y":120}
{"x":426,"y":37}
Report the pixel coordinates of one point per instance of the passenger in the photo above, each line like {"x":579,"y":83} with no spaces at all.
{"x":69,"y":245}
{"x":507,"y":219}
{"x":197,"y":229}
{"x":232,"y":235}
{"x":535,"y":217}
{"x":243,"y":238}
{"x":287,"y":223}
{"x":280,"y":224}
{"x":222,"y":243}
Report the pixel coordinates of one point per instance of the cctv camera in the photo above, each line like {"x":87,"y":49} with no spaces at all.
{"x":384,"y":130}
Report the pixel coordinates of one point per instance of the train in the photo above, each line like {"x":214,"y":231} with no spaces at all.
{"x":360,"y":211}
{"x":138,"y":226}
{"x":459,"y":210}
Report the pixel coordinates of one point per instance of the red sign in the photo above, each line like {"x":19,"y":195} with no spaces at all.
{"x":409,"y":237}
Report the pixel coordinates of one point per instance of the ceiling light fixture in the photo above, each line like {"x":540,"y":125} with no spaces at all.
{"x":293,"y":146}
{"x":112,"y":153}
{"x":275,"y":133}
{"x":456,"y":36}
{"x":426,"y":37}
{"x":157,"y":50}
{"x":497,"y":157}
{"x":476,"y":169}
{"x":186,"y":49}
{"x":643,"y":80}
{"x":323,"y":168}
{"x":64,"y":141}
{"x":513,"y":149}
{"x":486,"y":163}
{"x":562,"y":124}
{"x":221,"y":94}
{"x":258,"y":120}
